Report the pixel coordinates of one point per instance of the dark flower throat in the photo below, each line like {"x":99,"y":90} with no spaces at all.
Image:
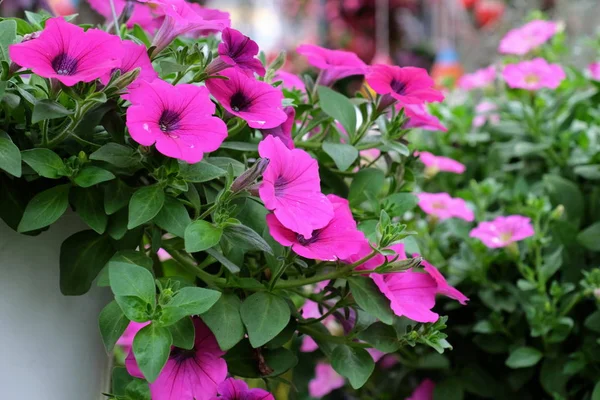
{"x":63,"y":64}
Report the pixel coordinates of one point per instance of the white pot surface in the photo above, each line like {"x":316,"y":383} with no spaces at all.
{"x":50,"y":344}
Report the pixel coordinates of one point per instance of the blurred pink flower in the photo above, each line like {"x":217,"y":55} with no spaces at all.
{"x":418,"y":117}
{"x":424,"y":391}
{"x":594,"y":70}
{"x":283,"y":131}
{"x":340,"y":239}
{"x":442,"y":206}
{"x":503,"y":231}
{"x":533,"y":75}
{"x":290,"y":81}
{"x":147,"y":18}
{"x":65,"y":52}
{"x":483,"y":114}
{"x":435,"y":164}
{"x":326,"y":380}
{"x":479,"y":79}
{"x":236,"y":389}
{"x":134,"y":56}
{"x":521,"y":41}
{"x":239,"y":51}
{"x":291,"y":188}
{"x":179,"y":119}
{"x":209,"y":14}
{"x":334,"y":64}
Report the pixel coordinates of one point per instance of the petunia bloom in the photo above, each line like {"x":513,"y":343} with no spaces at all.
{"x":222,"y":18}
{"x":424,"y":391}
{"x":179,"y":119}
{"x":479,"y":79}
{"x":239,"y":51}
{"x":291,"y":188}
{"x":503,"y":231}
{"x":334,"y":64}
{"x":284,"y":131}
{"x":418,"y":117}
{"x":442,"y":206}
{"x":134,"y":56}
{"x":533,"y":75}
{"x":289,"y":81}
{"x":521,"y":41}
{"x":435,"y":164}
{"x":235,"y":389}
{"x":485,"y":112}
{"x":594,"y":71}
{"x":256,"y":102}
{"x":340,"y":239}
{"x":65,"y":52}
{"x":326,"y":380}
{"x":141,"y":14}
{"x":189,"y":374}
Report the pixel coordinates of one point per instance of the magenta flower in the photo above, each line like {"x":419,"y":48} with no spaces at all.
{"x":222,"y":18}
{"x":479,"y":79}
{"x":291,"y":188}
{"x":134,"y":56}
{"x":326,"y":380}
{"x":435,"y":164}
{"x":65,"y":52}
{"x":143,"y":15}
{"x":239,"y":51}
{"x":408,"y":85}
{"x":289,"y":81}
{"x":442,"y":206}
{"x":126,"y":339}
{"x":594,"y":70}
{"x":338,"y":240}
{"x":334,"y":64}
{"x":503,"y":231}
{"x":485,"y":113}
{"x":521,"y":41}
{"x":189,"y":374}
{"x":284,"y":131}
{"x":256,"y":102}
{"x":533,"y":75}
{"x":234,"y":389}
{"x":424,"y":391}
{"x":179,"y":119}
{"x":418,"y":117}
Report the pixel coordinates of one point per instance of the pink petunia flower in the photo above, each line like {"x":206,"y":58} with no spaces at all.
{"x":126,"y":339}
{"x":235,"y":389}
{"x":222,"y":18}
{"x":134,"y":56}
{"x":533,"y":75}
{"x":334,"y":64}
{"x":65,"y":52}
{"x":521,"y":41}
{"x":291,"y":188}
{"x":189,"y":374}
{"x":442,"y":206}
{"x":283,"y":131}
{"x":289,"y":81}
{"x":418,"y":117}
{"x":503,"y":231}
{"x":594,"y":71}
{"x":424,"y":391}
{"x":479,"y":79}
{"x":147,"y":18}
{"x":435,"y":164}
{"x":256,"y":102}
{"x":340,"y":239}
{"x":484,"y":112}
{"x":408,"y":85}
{"x":179,"y":119}
{"x":326,"y":380}
{"x":239,"y":51}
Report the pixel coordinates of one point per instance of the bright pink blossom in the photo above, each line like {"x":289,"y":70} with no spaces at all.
{"x":65,"y":52}
{"x":284,"y":131}
{"x":484,"y":112}
{"x":235,"y":389}
{"x":521,"y":41}
{"x":291,"y":188}
{"x":424,"y":391}
{"x":239,"y":51}
{"x":435,"y":164}
{"x":290,"y":81}
{"x":533,"y":75}
{"x":479,"y":79}
{"x":418,"y":117}
{"x":503,"y":231}
{"x":340,"y":239}
{"x":134,"y":56}
{"x":179,"y":119}
{"x":189,"y":374}
{"x":326,"y":380}
{"x":594,"y":70}
{"x":256,"y":102}
{"x":334,"y":64}
{"x":143,"y":15}
{"x":442,"y":206}
{"x":222,"y":18}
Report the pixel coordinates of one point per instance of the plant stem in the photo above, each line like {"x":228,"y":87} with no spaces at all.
{"x":330,"y":338}
{"x":191,"y":266}
{"x":115,"y":18}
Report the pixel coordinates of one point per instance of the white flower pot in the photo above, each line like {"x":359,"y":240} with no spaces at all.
{"x":51,"y":345}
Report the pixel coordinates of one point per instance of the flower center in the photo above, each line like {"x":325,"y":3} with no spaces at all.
{"x":532,"y":79}
{"x":168,"y":121}
{"x":305,"y":242}
{"x":180,"y":355}
{"x":398,"y":86}
{"x":505,"y":237}
{"x":63,"y":64}
{"x":239,"y":102}
{"x":280,"y":184}
{"x":438,"y":205}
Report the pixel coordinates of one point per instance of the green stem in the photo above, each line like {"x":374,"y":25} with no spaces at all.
{"x":192,"y":267}
{"x":330,"y":338}
{"x":115,"y":18}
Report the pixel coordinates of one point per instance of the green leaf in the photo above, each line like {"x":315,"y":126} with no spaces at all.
{"x":151,"y":348}
{"x":116,"y":196}
{"x":225,"y":162}
{"x":82,"y":257}
{"x":245,"y":238}
{"x":88,"y":205}
{"x":370,"y":299}
{"x":138,"y":389}
{"x":552,"y":263}
{"x":8,"y":36}
{"x":201,"y":235}
{"x":233,"y":268}
{"x":183,"y":333}
{"x":265,"y":315}
{"x":10,"y":157}
{"x":224,"y":320}
{"x":45,"y":162}
{"x":173,"y":217}
{"x":241,"y":361}
{"x":48,"y":109}
{"x":342,"y":154}
{"x":117,"y":155}
{"x":449,"y":389}
{"x":90,"y":176}
{"x":339,"y":107}
{"x":368,"y":180}
{"x":596,"y":392}
{"x":567,"y":193}
{"x":592,"y":322}
{"x":134,"y":308}
{"x":112,"y":323}
{"x":354,"y":363}
{"x":400,"y":203}
{"x":200,"y":172}
{"x":382,"y":337}
{"x":188,"y":301}
{"x":125,"y":256}
{"x":590,"y":237}
{"x":523,"y":357}
{"x":145,"y":204}
{"x":132,"y":280}
{"x":45,"y":208}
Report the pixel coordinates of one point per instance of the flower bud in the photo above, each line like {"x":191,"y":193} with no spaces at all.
{"x":249,"y":176}
{"x":127,"y":11}
{"x":126,"y":79}
{"x":558,"y":212}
